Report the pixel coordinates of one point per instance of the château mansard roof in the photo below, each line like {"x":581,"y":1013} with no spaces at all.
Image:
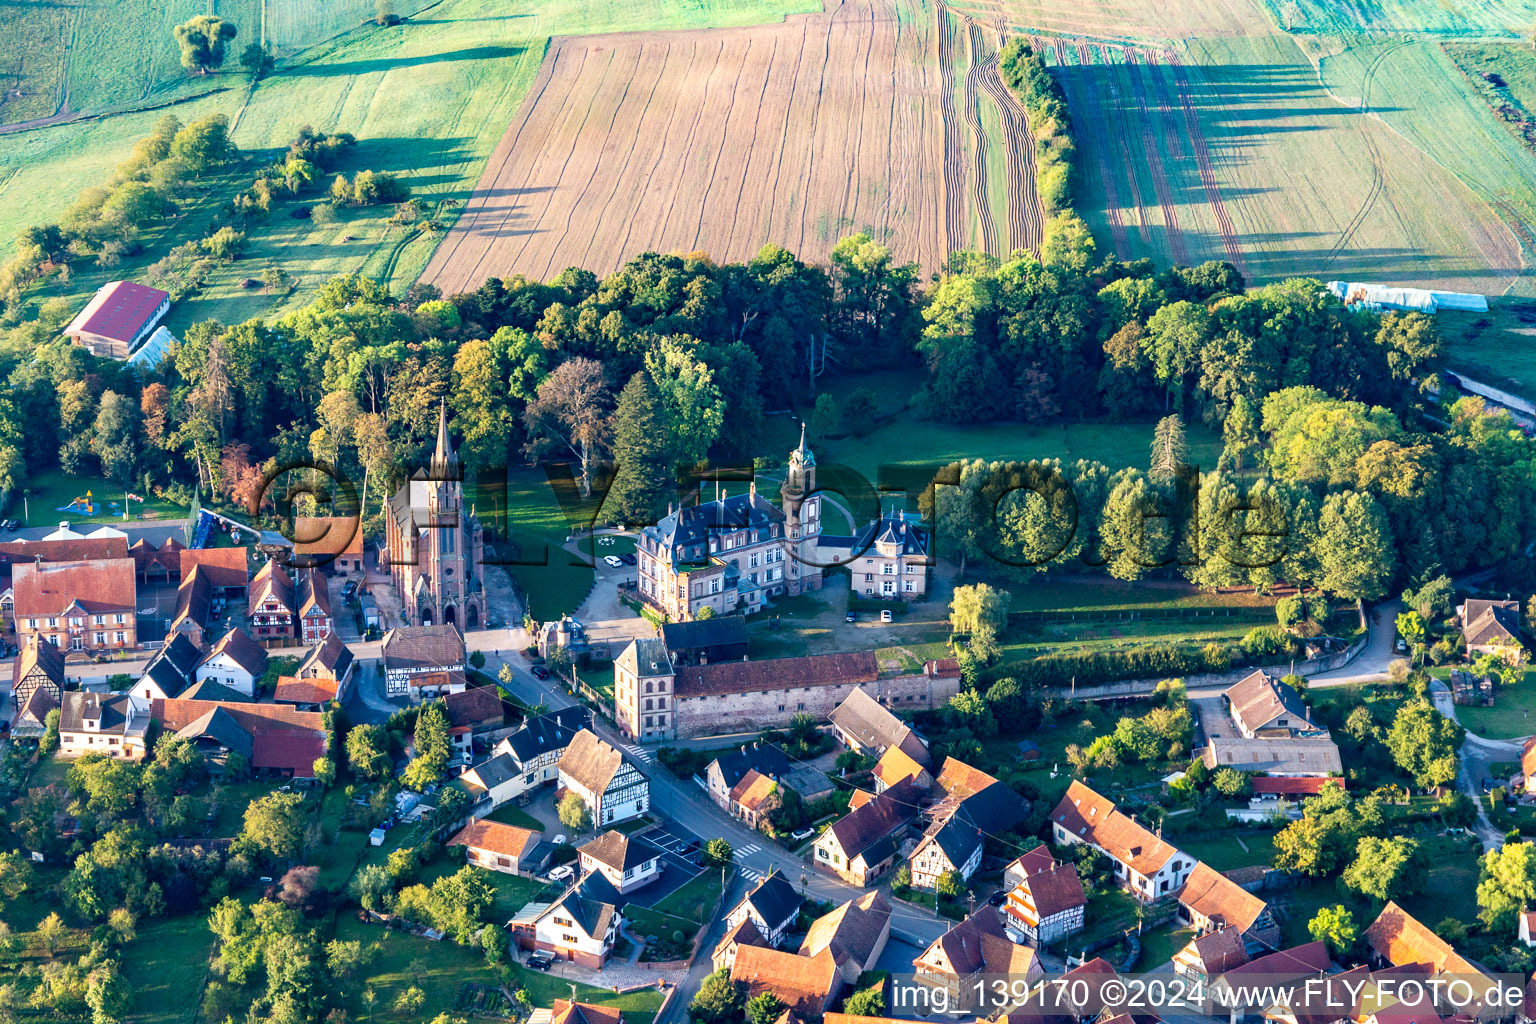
{"x":683,"y":533}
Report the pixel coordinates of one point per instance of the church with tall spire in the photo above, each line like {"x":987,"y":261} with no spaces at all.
{"x":435,"y":545}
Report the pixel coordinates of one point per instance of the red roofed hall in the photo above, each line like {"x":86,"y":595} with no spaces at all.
{"x":1272,"y":785}
{"x":118,"y":318}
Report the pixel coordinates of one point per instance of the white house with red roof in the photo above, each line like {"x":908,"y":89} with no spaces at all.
{"x":118,"y":318}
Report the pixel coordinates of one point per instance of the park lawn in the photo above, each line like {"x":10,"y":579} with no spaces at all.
{"x":1226,"y":851}
{"x":555,"y":580}
{"x":1066,"y":594}
{"x":607,"y":544}
{"x":1510,"y":716}
{"x":1020,"y":641}
{"x":1159,"y":945}
{"x":48,"y":492}
{"x":166,"y":966}
{"x":511,"y":814}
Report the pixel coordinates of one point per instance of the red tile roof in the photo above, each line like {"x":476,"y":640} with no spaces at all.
{"x":327,"y":535}
{"x":311,"y":690}
{"x":102,"y":585}
{"x":120,"y":310}
{"x":1286,"y":786}
{"x":80,"y":549}
{"x":282,"y":738}
{"x":494,"y":837}
{"x":776,"y":674}
{"x":225,"y":567}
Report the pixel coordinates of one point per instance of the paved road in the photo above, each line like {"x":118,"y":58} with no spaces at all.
{"x":1477,"y":755}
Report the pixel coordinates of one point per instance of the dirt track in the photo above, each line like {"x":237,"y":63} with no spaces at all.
{"x":724,"y":140}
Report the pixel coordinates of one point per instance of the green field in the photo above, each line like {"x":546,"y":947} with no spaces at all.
{"x":165,"y":965}
{"x":49,"y":492}
{"x":1399,"y":17}
{"x":1510,"y":716}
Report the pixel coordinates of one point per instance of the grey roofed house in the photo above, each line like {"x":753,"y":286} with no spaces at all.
{"x":1487,"y":623}
{"x":809,"y":783}
{"x":548,"y":732}
{"x":210,"y":690}
{"x":645,"y":656}
{"x":407,"y":648}
{"x":958,"y":836}
{"x":1302,"y":756}
{"x":1262,"y":704}
{"x":893,"y":530}
{"x":238,"y":646}
{"x":718,"y":638}
{"x":220,"y":727}
{"x":763,"y":758}
{"x":331,"y":657}
{"x":591,"y":903}
{"x":120,"y":714}
{"x":866,"y":828}
{"x":683,"y":532}
{"x":30,"y":721}
{"x":875,"y":727}
{"x":495,"y":771}
{"x":174,"y":666}
{"x":774,"y":899}
{"x":619,"y":851}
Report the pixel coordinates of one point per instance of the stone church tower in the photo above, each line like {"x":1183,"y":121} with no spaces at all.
{"x":802,"y":519}
{"x":435,"y":545}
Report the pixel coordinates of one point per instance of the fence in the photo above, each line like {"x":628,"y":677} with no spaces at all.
{"x":1255,"y":613}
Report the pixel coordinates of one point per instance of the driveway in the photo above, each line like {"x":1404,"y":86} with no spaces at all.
{"x":1478,"y":755}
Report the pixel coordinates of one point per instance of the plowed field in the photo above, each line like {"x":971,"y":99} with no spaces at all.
{"x":874,"y":115}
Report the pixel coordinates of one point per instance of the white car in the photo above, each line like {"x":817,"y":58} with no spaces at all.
{"x":614,"y":561}
{"x":560,"y":840}
{"x":885,"y":615}
{"x":803,"y":834}
{"x":561,"y":873}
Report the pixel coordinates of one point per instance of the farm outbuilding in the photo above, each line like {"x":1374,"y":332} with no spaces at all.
{"x":1378,"y":297}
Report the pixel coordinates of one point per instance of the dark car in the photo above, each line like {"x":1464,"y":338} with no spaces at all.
{"x":540,"y":671}
{"x":997,"y":899}
{"x":629,"y":559}
{"x":850,"y":617}
{"x":539,"y":961}
{"x":13,"y":525}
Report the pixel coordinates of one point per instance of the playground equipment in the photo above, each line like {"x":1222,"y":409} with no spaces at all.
{"x":85,"y":506}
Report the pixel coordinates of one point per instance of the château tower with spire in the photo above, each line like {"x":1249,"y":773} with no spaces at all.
{"x":434,"y":545}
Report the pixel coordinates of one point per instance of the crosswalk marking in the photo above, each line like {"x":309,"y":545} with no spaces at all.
{"x":639,"y":754}
{"x":750,"y":848}
{"x":749,"y":874}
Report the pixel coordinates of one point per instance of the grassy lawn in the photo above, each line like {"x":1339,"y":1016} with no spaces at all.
{"x":165,"y":966}
{"x":512,"y":891}
{"x":605,"y":544}
{"x":1225,"y":852}
{"x":511,"y":814}
{"x":1452,"y":887}
{"x":48,"y":771}
{"x":683,"y":910}
{"x":1159,"y":946}
{"x":555,"y":580}
{"x":1065,"y":594}
{"x":1108,"y":913}
{"x":1301,"y":905}
{"x":51,"y":491}
{"x":1510,"y":716}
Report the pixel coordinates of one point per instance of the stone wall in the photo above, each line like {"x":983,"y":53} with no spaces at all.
{"x":760,"y":709}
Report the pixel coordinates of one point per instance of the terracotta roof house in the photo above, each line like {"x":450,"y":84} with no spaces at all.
{"x":1486,"y":626}
{"x":750,"y":795}
{"x":1027,"y":863}
{"x":71,"y":549}
{"x":726,"y":771}
{"x":567,"y":1012}
{"x":227,"y":569}
{"x":328,"y":540}
{"x":628,"y":862}
{"x":31,"y":719}
{"x":282,"y":741}
{"x":855,"y":933}
{"x":1210,"y":955}
{"x":612,"y":787}
{"x":977,"y":945}
{"x":1398,"y":939}
{"x":423,"y":661}
{"x":896,"y":764}
{"x":865,"y":725}
{"x":310,"y":694}
{"x":194,"y":606}
{"x":1262,"y":706}
{"x":160,"y":563}
{"x":314,"y":607}
{"x":119,"y":317}
{"x":1284,"y":967}
{"x":78,"y":606}
{"x":1047,"y":904}
{"x":271,"y":603}
{"x":775,"y":674}
{"x":1292,"y":786}
{"x":1209,"y":901}
{"x":742,"y":933}
{"x":805,"y":984}
{"x":494,"y":846}
{"x":40,"y":665}
{"x":861,"y":845}
{"x":93,"y":723}
{"x":772,"y":905}
{"x":478,"y":709}
{"x":1144,"y":864}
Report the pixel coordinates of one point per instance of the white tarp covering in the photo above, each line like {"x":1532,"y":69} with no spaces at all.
{"x":1419,"y":300}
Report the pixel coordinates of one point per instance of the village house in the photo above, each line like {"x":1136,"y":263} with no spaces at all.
{"x":656,"y":700}
{"x":118,"y":319}
{"x":31,"y":720}
{"x":706,"y":641}
{"x":771,"y":907}
{"x":613,"y":788}
{"x":1489,"y":627}
{"x":977,"y":945}
{"x":39,"y":666}
{"x":77,"y":606}
{"x":1210,"y":955}
{"x":864,"y":725}
{"x":336,"y":541}
{"x":330,"y":659}
{"x":94,"y":723}
{"x":474,"y":714}
{"x":896,"y":765}
{"x":807,"y":985}
{"x":494,"y":846}
{"x":157,"y":563}
{"x":1294,"y":757}
{"x":564,"y":1011}
{"x":527,"y":758}
{"x":273,"y":739}
{"x":1046,"y":903}
{"x":311,"y":694}
{"x":421,"y":662}
{"x":582,"y":926}
{"x":314,"y":607}
{"x":1284,"y":967}
{"x":888,"y":559}
{"x":1209,"y":901}
{"x":855,"y":933}
{"x":1263,"y":707}
{"x":1396,"y":939}
{"x":227,"y":570}
{"x":171,"y":671}
{"x":954,"y":837}
{"x":194,"y":607}
{"x":236,"y":661}
{"x":724,"y":773}
{"x":270,"y":605}
{"x":1144,"y":864}
{"x":862,"y":844}
{"x":628,"y":862}
{"x":951,"y":844}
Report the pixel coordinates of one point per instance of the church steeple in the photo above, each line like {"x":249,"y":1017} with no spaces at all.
{"x":445,"y":463}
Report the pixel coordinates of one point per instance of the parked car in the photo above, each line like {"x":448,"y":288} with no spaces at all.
{"x":540,"y":961}
{"x":12,"y":525}
{"x":614,"y":561}
{"x":540,"y":671}
{"x":850,"y":617}
{"x":885,"y":615}
{"x":803,"y":834}
{"x":997,"y":899}
{"x":561,"y":873}
{"x":560,"y":839}
{"x":629,"y":559}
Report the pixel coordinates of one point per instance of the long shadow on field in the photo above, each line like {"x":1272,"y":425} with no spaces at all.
{"x":365,"y":67}
{"x":387,"y":153}
{"x":1358,"y":261}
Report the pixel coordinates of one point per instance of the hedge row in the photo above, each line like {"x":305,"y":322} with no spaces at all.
{"x":1026,"y":74}
{"x":1149,"y":661}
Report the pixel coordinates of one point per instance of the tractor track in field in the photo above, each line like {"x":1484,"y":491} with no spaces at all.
{"x":981,"y":196}
{"x":954,"y":162}
{"x":1229,"y":242}
{"x":1025,"y":219}
{"x":1149,"y":136}
{"x":1124,"y":132}
{"x":1095,"y":126}
{"x":1378,"y":178}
